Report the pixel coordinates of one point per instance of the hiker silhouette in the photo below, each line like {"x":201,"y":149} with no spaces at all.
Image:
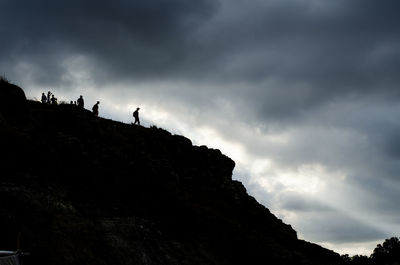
{"x":136,"y":116}
{"x":95,"y":108}
{"x":48,"y":97}
{"x":80,"y":102}
{"x":53,"y":100}
{"x":44,"y":98}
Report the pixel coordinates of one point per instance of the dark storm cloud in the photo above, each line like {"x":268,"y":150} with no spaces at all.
{"x":311,"y":50}
{"x":122,"y":38}
{"x":324,"y":74}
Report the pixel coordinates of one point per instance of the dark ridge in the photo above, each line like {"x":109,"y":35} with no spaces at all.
{"x":79,"y":189}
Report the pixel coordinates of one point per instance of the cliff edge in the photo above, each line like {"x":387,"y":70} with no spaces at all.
{"x":78,"y":189}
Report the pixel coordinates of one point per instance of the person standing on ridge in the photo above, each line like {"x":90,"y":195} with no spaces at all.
{"x":53,"y":100}
{"x":96,"y":109}
{"x":44,"y":98}
{"x":80,"y":102}
{"x":48,"y":97}
{"x":136,"y":116}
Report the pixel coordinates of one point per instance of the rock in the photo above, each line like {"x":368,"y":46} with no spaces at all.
{"x":86,"y":190}
{"x":12,"y":101}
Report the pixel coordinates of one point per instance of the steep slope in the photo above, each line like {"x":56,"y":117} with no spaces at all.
{"x":86,"y":190}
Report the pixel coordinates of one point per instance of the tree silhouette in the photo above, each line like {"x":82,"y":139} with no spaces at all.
{"x":357,"y":260}
{"x":388,"y":252}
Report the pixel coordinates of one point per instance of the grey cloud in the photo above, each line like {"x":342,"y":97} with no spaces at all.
{"x":286,"y":41}
{"x":122,"y":38}
{"x":376,"y":194}
{"x":287,"y":58}
{"x":324,"y":73}
{"x":292,"y":201}
{"x":316,"y":221}
{"x":321,"y":222}
{"x":314,"y":59}
{"x":337,"y":228}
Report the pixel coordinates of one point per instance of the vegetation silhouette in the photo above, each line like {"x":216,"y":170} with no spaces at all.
{"x":387,"y":253}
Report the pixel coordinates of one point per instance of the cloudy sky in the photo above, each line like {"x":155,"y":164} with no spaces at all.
{"x":303,"y":94}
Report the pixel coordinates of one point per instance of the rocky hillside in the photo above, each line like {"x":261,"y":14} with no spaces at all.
{"x":85,"y":190}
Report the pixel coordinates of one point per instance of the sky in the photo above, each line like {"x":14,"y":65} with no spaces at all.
{"x":302,"y":94}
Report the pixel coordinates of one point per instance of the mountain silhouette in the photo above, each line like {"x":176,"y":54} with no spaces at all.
{"x":79,"y":189}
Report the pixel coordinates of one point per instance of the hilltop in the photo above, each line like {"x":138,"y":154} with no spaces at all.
{"x":86,"y":190}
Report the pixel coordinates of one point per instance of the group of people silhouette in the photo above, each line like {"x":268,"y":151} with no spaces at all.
{"x":50,"y":99}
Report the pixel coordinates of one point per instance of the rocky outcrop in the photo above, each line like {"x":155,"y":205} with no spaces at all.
{"x":86,"y":190}
{"x":12,"y":101}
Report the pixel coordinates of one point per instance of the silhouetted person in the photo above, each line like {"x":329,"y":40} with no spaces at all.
{"x":96,"y":109}
{"x":53,"y":100}
{"x":48,"y":97}
{"x":44,"y":98}
{"x":136,"y":116}
{"x":80,"y":102}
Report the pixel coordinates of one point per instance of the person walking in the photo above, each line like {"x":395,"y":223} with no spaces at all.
{"x":44,"y":98}
{"x":80,"y":102}
{"x":95,"y":108}
{"x":136,"y":116}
